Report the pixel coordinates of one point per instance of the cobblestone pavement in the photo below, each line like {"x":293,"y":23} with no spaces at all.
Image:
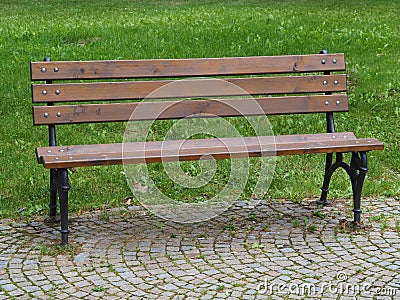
{"x":250,"y":252}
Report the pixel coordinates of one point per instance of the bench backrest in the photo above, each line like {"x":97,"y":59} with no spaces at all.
{"x":280,"y":84}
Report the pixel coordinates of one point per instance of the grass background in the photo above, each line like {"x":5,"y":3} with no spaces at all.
{"x":366,"y":31}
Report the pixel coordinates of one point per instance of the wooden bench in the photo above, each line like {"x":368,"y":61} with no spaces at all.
{"x":296,"y":84}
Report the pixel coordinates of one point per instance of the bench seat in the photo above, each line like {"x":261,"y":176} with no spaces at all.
{"x":220,"y":148}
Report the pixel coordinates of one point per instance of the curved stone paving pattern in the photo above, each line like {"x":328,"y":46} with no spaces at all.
{"x":242,"y":254}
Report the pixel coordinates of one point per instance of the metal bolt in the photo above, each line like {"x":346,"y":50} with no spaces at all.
{"x":345,"y":136}
{"x":48,"y":151}
{"x":56,"y":69}
{"x":58,"y":114}
{"x":68,"y":148}
{"x":56,"y":158}
{"x":44,"y":93}
{"x":323,"y":61}
{"x":61,"y":150}
{"x":336,"y":82}
{"x":46,"y":115}
{"x":338,"y":102}
{"x":58,"y":92}
{"x":325,"y":82}
{"x":334,"y":61}
{"x":44,"y":70}
{"x":369,"y":141}
{"x":326,"y":103}
{"x":70,"y":157}
{"x":334,"y":136}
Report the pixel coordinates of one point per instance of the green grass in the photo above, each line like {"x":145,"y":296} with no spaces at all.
{"x":366,"y":31}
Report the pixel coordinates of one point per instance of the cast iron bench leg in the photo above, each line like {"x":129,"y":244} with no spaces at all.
{"x":53,"y":197}
{"x":63,"y":188}
{"x":357,"y":170}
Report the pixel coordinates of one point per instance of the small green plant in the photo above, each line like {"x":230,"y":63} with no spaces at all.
{"x":397,"y":225}
{"x":309,"y":227}
{"x":98,"y":288}
{"x":359,"y":271}
{"x":295,"y":223}
{"x":104,"y":215}
{"x":257,"y":245}
{"x":252,"y":217}
{"x":312,"y":228}
{"x":220,"y":288}
{"x":231,"y":226}
{"x":111,"y":268}
{"x":305,"y":221}
{"x":318,"y":214}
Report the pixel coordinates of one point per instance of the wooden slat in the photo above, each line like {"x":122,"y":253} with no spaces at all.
{"x":132,"y":153}
{"x":115,"y":112}
{"x":186,"y":67}
{"x":187,"y":88}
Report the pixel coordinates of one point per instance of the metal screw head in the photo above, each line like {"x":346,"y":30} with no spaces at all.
{"x":44,"y":70}
{"x":61,"y":150}
{"x":326,"y":103}
{"x":323,"y":61}
{"x":48,"y":151}
{"x":44,"y":93}
{"x":334,"y":136}
{"x":336,"y":82}
{"x":325,"y":82}
{"x":56,"y":69}
{"x":70,"y":157}
{"x":56,"y":158}
{"x":58,"y":114}
{"x":338,"y":102}
{"x":46,"y":115}
{"x":58,"y":92}
{"x":334,"y":61}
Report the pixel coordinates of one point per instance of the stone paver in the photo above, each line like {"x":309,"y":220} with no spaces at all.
{"x":263,"y":251}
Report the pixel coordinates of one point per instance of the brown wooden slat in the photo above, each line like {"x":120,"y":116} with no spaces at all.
{"x":91,"y":113}
{"x":186,"y":67}
{"x":94,"y":155}
{"x":188,"y":88}
{"x":107,"y":149}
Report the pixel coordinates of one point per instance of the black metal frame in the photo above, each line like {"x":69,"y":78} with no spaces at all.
{"x":357,"y":169}
{"x":59,"y":186}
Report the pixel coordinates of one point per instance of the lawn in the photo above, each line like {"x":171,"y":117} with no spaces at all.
{"x":366,"y":31}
